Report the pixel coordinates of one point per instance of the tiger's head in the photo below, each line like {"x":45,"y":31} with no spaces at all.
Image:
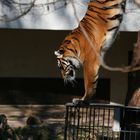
{"x":67,"y":63}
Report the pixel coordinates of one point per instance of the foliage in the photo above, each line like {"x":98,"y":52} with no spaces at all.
{"x":37,"y":133}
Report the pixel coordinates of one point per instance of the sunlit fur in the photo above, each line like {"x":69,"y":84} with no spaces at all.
{"x":101,"y":22}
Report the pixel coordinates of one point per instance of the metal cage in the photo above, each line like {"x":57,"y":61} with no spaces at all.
{"x":102,"y":122}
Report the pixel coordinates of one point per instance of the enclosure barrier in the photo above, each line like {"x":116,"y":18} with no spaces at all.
{"x":101,"y":122}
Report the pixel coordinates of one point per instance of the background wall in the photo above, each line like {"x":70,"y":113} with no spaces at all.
{"x":57,"y":14}
{"x":29,"y":53}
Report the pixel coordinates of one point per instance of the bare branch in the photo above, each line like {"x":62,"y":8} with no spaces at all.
{"x":5,"y":19}
{"x":136,"y":53}
{"x":135,"y":99}
{"x":135,"y":64}
{"x":20,"y":9}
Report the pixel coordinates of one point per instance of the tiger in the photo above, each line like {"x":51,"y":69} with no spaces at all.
{"x":101,"y":23}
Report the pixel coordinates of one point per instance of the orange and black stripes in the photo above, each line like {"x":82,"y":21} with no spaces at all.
{"x":101,"y":23}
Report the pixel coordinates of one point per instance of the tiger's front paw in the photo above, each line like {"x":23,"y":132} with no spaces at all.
{"x":77,"y":101}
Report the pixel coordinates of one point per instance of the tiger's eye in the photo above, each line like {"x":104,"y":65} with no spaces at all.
{"x":61,"y":51}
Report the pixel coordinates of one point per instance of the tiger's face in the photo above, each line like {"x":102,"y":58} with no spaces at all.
{"x":67,"y":65}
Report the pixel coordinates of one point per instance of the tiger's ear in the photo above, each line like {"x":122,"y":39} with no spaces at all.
{"x":59,"y":53}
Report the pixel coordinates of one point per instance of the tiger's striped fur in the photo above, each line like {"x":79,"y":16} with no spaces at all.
{"x":101,"y":22}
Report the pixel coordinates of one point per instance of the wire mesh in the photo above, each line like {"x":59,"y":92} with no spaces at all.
{"x":101,"y":122}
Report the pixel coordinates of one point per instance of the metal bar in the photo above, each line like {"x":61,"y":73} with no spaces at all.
{"x":89,"y":123}
{"x":66,"y":123}
{"x":116,"y":124}
{"x":97,"y":121}
{"x":78,"y":120}
{"x":82,"y":121}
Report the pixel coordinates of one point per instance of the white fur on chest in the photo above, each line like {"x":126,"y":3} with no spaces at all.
{"x":110,"y":37}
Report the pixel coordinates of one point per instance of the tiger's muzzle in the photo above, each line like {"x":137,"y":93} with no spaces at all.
{"x":69,"y":73}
